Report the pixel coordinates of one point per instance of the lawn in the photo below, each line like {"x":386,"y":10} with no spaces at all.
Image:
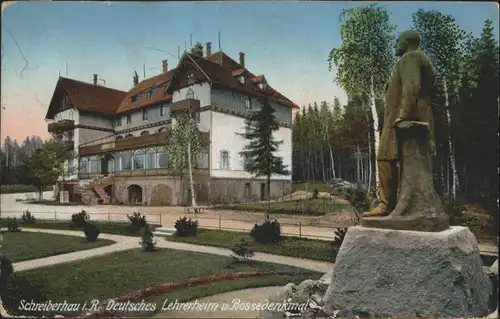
{"x":311,"y":186}
{"x":19,"y":246}
{"x":124,"y":272}
{"x":115,"y":228}
{"x":312,"y":207}
{"x":289,"y":246}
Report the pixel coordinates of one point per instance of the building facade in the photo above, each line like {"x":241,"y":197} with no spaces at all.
{"x":120,"y":139}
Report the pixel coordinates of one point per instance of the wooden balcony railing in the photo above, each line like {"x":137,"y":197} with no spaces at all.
{"x":135,"y":143}
{"x":190,"y":105}
{"x":61,"y":126}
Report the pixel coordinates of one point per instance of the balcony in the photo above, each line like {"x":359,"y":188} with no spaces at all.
{"x":134,"y":143}
{"x":68,"y":144}
{"x":61,"y":126}
{"x":190,"y":105}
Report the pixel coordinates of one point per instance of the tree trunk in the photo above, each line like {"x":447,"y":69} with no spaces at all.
{"x":332,"y":161}
{"x":369,"y":161}
{"x":454,"y":177}
{"x":268,"y":191}
{"x":376,"y":135}
{"x":191,"y":183}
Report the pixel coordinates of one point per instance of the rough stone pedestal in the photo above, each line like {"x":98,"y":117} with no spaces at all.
{"x":397,"y":273}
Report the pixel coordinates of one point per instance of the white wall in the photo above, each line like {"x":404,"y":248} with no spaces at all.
{"x":224,"y":137}
{"x":87,"y":135}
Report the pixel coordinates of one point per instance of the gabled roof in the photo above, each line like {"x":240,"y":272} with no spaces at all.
{"x":87,"y":97}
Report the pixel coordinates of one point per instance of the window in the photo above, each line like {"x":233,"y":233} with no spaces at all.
{"x":248,"y":103}
{"x":119,"y":138}
{"x":129,"y":118}
{"x":129,"y":136}
{"x":138,"y":160}
{"x":144,"y":114}
{"x":135,"y":98}
{"x":242,"y":79}
{"x":202,"y":161}
{"x":84,"y":165}
{"x":190,"y":78}
{"x":163,"y":129}
{"x":95,"y":164}
{"x":244,"y":162}
{"x":162,"y":158}
{"x":248,"y":190}
{"x":190,"y":94}
{"x":224,"y":159}
{"x":163,"y":110}
{"x":151,"y":92}
{"x":118,"y":121}
{"x":150,"y":159}
{"x":125,"y":161}
{"x":144,"y":133}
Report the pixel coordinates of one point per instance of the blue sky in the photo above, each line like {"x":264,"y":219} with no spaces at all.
{"x":288,"y":42}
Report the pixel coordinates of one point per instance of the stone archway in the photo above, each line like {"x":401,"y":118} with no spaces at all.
{"x":134,"y":195}
{"x":161,"y":195}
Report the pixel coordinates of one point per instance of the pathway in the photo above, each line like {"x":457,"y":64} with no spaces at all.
{"x":126,"y":243}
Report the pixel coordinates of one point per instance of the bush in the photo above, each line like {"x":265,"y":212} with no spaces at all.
{"x":6,"y":269}
{"x":13,"y":225}
{"x":242,"y":249}
{"x":19,"y":189}
{"x":359,"y":199}
{"x":267,"y":233}
{"x":454,"y":210}
{"x":315,"y":193}
{"x":138,"y":221}
{"x":338,"y":239}
{"x":80,"y":219}
{"x":28,"y":217}
{"x":186,"y":227}
{"x":18,"y":289}
{"x":147,"y":242}
{"x":91,"y":232}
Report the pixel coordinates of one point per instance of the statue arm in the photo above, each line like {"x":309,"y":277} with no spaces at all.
{"x":411,"y":84}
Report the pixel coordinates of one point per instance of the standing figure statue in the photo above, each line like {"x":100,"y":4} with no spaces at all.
{"x":408,"y":98}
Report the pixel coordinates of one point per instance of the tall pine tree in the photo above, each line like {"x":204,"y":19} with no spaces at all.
{"x":259,"y":152}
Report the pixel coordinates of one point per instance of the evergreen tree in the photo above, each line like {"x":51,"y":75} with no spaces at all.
{"x":259,"y":152}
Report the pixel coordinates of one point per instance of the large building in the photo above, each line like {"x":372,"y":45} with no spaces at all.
{"x":121,"y":138}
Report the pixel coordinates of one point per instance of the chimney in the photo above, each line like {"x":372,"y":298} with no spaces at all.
{"x":95,"y":79}
{"x":136,"y":79}
{"x":209,"y":49}
{"x":242,"y":59}
{"x":165,"y":66}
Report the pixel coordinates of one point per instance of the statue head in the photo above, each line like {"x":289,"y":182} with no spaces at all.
{"x":408,"y":40}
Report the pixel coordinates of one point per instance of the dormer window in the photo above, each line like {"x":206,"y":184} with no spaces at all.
{"x":190,"y":94}
{"x":135,"y":98}
{"x":190,"y":78}
{"x":151,"y":92}
{"x":262,"y":85}
{"x":242,"y":79}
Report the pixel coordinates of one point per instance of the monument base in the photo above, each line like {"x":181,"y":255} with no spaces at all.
{"x":421,"y":222}
{"x":397,"y":273}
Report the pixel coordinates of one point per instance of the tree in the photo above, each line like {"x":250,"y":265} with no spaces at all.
{"x":365,"y":58}
{"x":184,"y":146}
{"x":47,"y":164}
{"x":259,"y":152}
{"x":442,"y":40}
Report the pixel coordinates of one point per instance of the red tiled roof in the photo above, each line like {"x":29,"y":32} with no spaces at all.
{"x":159,"y":82}
{"x":91,"y":98}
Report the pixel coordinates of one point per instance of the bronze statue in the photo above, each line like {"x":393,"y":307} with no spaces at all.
{"x":406,"y":146}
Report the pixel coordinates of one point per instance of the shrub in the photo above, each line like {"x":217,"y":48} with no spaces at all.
{"x":18,"y":289}
{"x":186,"y":227}
{"x":6,"y":269}
{"x":91,"y":232}
{"x":18,"y":189}
{"x":268,"y":232}
{"x":359,"y":199}
{"x":147,"y":242}
{"x":28,"y":217}
{"x":138,"y":221}
{"x":315,"y":193}
{"x":338,"y":239}
{"x":13,"y":225}
{"x":242,"y":249}
{"x":454,"y":210}
{"x":80,"y":219}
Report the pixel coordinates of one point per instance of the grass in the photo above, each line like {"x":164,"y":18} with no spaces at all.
{"x":124,"y":228}
{"x":20,"y":246}
{"x":289,"y":246}
{"x":310,"y":186}
{"x":16,"y":188}
{"x":311,"y":207}
{"x":123,"y":272}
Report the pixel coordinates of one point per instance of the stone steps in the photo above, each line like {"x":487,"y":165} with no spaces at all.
{"x":164,"y":231}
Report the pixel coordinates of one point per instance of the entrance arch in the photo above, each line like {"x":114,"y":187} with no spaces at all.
{"x":161,"y":195}
{"x":134,"y":194}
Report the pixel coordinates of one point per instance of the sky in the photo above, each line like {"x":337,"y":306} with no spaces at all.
{"x":288,"y":42}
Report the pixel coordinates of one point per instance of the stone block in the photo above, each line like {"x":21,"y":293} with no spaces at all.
{"x":398,"y":273}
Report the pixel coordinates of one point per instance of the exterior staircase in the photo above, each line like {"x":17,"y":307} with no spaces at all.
{"x":94,"y":193}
